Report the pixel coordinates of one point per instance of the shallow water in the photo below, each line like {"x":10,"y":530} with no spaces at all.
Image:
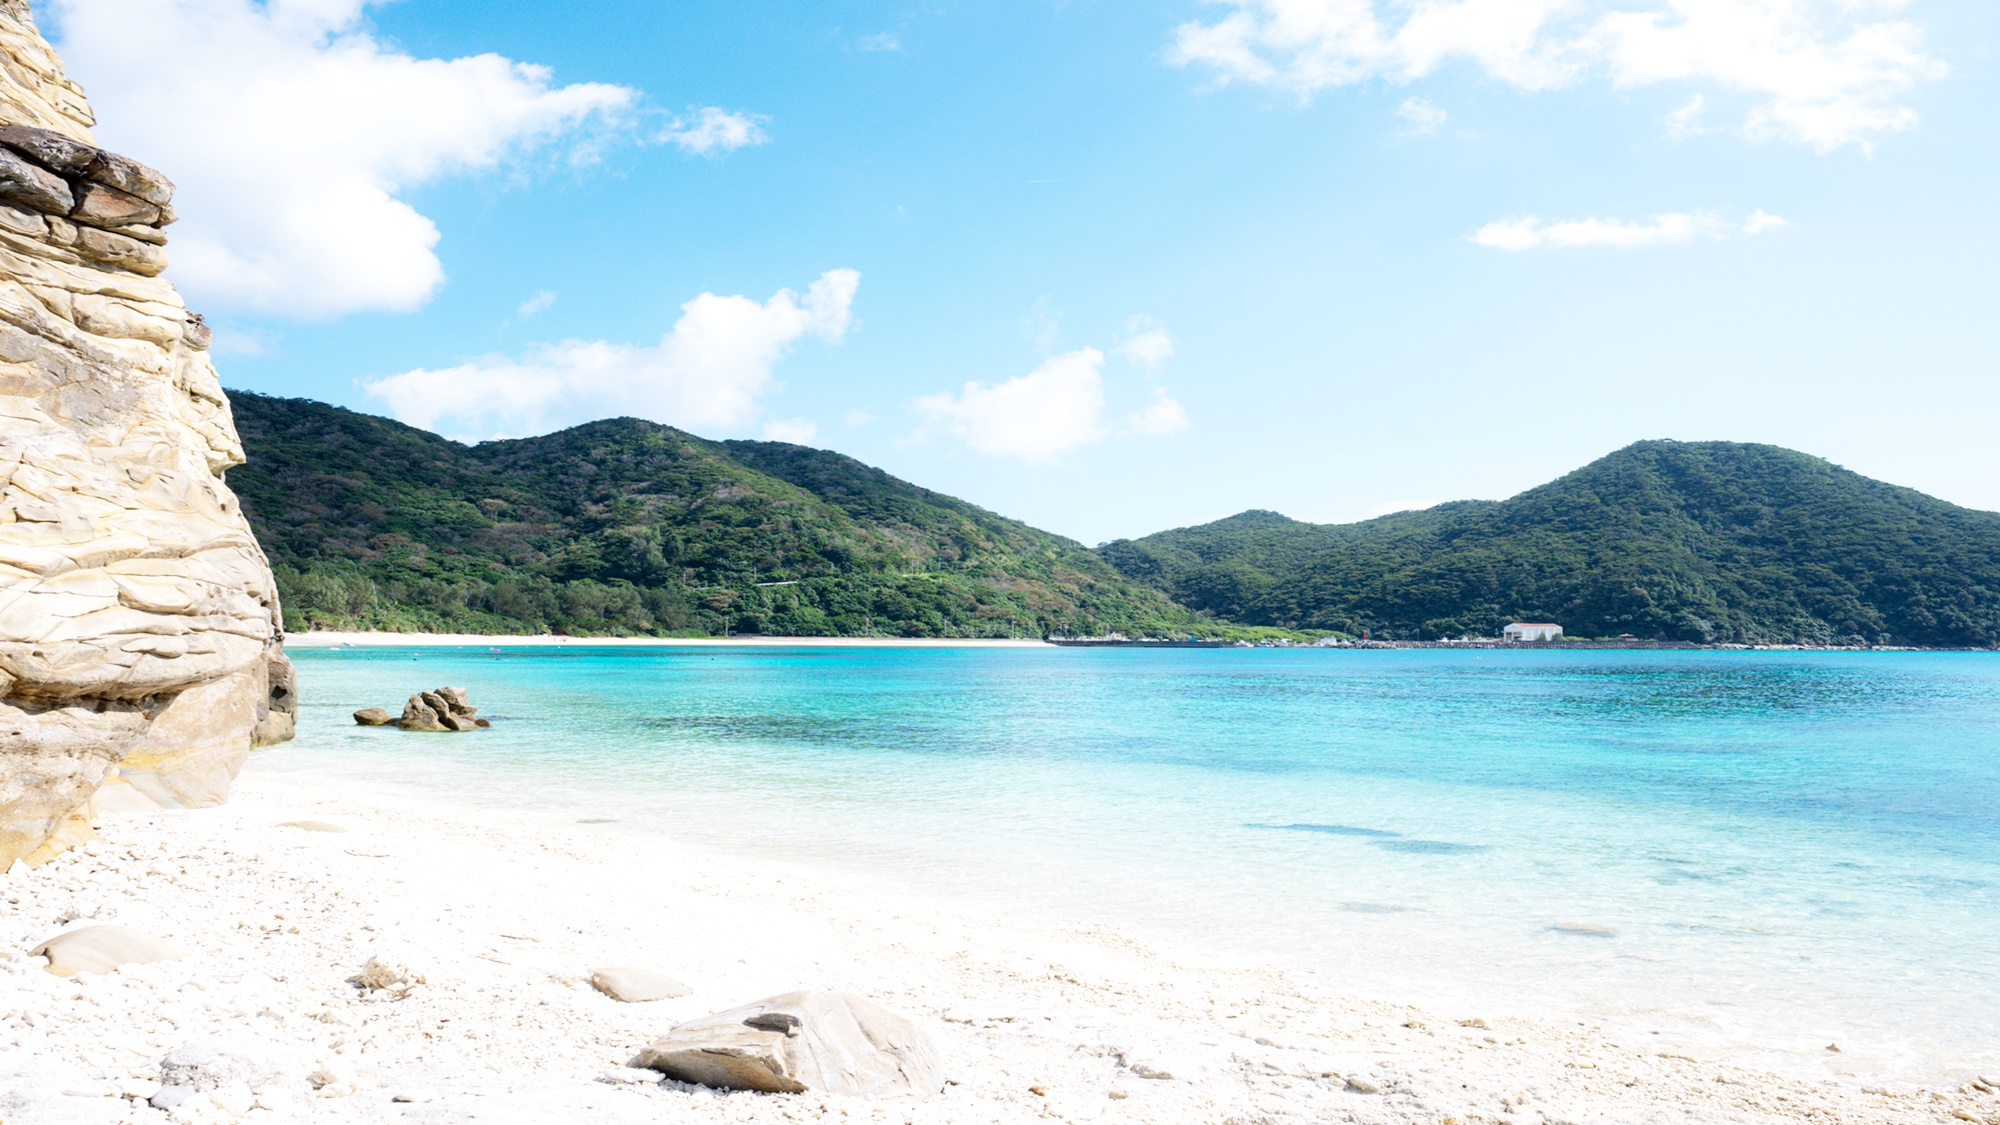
{"x":1745,"y":853}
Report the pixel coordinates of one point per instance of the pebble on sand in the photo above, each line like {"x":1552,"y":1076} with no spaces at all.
{"x":635,"y":986}
{"x":312,"y":826}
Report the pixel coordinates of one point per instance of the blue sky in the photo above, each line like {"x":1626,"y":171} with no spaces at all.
{"x":1196,"y":257}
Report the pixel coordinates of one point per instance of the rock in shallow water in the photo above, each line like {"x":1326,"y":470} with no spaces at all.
{"x":100,"y":949}
{"x":634,"y":986}
{"x":373,"y":717}
{"x":825,"y":1042}
{"x":445,"y":709}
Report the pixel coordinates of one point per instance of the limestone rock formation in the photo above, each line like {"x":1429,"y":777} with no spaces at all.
{"x":825,"y":1042}
{"x":139,"y":640}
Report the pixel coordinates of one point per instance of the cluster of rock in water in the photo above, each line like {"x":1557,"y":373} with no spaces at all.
{"x":140,"y":647}
{"x":445,"y":709}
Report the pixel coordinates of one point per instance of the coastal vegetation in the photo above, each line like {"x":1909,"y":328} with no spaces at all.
{"x":625,"y":527}
{"x":1706,"y":542}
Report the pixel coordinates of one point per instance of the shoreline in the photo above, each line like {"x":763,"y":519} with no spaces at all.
{"x":327,"y":638}
{"x":333,"y":639}
{"x":506,"y":915}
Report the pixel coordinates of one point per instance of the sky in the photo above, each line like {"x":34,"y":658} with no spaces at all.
{"x":1107,"y":268}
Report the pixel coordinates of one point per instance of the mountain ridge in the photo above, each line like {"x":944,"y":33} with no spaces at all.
{"x":623,"y":526}
{"x":1701,"y":542}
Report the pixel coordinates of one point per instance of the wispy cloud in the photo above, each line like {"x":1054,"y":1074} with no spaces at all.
{"x":1685,"y":121}
{"x":1527,"y":232}
{"x":1147,"y":344}
{"x":540,"y":302}
{"x":1424,"y":117}
{"x":798,"y":431}
{"x":713,"y":131}
{"x":1825,"y":73}
{"x":881,"y":41}
{"x":1164,"y":415}
{"x":1759,"y":222}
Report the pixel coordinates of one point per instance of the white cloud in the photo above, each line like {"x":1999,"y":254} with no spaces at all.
{"x":1164,"y":415}
{"x":707,"y":373}
{"x":1424,"y":117}
{"x":882,"y":41}
{"x":798,"y":431}
{"x":1037,"y":417}
{"x":292,"y":131}
{"x":540,"y":302}
{"x":857,"y":418}
{"x":715,"y":131}
{"x":1149,"y":345}
{"x":1530,"y":233}
{"x":1685,"y":121}
{"x":1822,"y":72}
{"x":1759,"y":222}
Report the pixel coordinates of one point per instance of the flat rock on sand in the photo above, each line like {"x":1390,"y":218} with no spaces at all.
{"x":100,"y":949}
{"x":312,"y":826}
{"x":826,"y":1042}
{"x":634,"y":986}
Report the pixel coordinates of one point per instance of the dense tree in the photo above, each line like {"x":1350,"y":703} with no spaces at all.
{"x":1703,"y":542}
{"x":628,"y":527}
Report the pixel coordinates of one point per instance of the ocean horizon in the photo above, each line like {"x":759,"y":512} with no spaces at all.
{"x":1750,"y":855}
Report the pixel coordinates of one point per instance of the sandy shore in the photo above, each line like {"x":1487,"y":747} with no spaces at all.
{"x":505,"y":920}
{"x":331,"y":639}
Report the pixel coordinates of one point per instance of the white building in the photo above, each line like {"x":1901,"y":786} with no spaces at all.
{"x":1532,"y":631}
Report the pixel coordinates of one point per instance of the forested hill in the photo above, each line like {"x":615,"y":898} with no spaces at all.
{"x":1707,"y":542}
{"x":629,"y":527}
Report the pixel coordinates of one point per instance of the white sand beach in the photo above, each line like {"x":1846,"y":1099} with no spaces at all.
{"x":335,"y":639}
{"x":505,"y":920}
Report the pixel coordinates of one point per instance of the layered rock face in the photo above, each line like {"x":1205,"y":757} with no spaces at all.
{"x":139,"y":641}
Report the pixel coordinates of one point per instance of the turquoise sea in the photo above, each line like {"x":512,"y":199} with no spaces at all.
{"x":1753,"y":854}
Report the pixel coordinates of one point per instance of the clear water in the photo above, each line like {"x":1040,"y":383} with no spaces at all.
{"x":1747,"y":854}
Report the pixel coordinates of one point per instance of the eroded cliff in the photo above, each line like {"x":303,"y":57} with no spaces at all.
{"x":140,"y":649}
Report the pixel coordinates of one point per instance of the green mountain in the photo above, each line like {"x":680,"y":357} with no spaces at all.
{"x":1706,"y":541}
{"x":628,"y":527}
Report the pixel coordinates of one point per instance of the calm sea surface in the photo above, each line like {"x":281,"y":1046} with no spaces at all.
{"x":1747,"y":853}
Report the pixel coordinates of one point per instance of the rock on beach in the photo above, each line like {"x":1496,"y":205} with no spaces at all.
{"x":636,"y":986}
{"x":100,"y":949}
{"x":820,"y":1041}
